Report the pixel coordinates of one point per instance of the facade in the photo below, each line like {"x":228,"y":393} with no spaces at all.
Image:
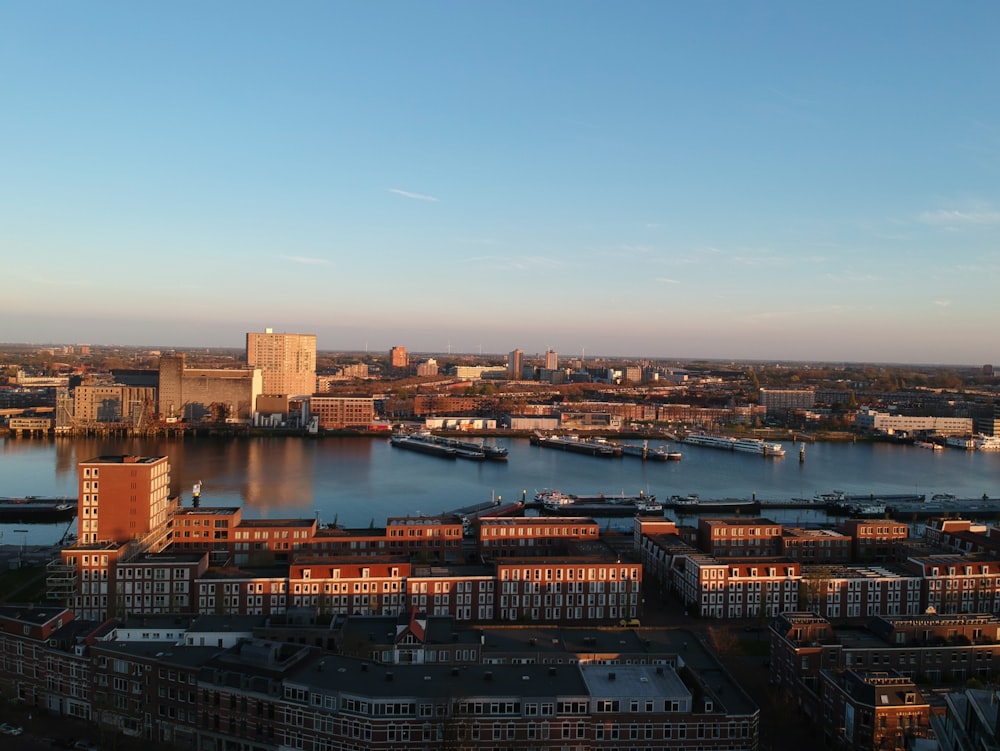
{"x":752,"y":536}
{"x":959,"y":584}
{"x":551,"y":360}
{"x":340,"y":412}
{"x":476,"y":372}
{"x":538,"y":535}
{"x":201,"y":689}
{"x":753,"y":567}
{"x":884,"y":422}
{"x":928,"y":647}
{"x":971,"y":721}
{"x":141,"y":553}
{"x":515,"y":364}
{"x":427,"y":368}
{"x":816,"y":545}
{"x":124,"y":506}
{"x":875,"y":540}
{"x":783,"y":401}
{"x":112,"y":403}
{"x":197,"y":394}
{"x":874,"y":709}
{"x":287,"y":362}
{"x":398,"y":359}
{"x":123,"y":498}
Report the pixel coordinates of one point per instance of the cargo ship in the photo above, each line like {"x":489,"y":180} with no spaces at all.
{"x":694,"y":504}
{"x":557,"y":502}
{"x":644,"y":452}
{"x":492,"y":452}
{"x":419,"y":442}
{"x":32,"y":509}
{"x":577,"y":445}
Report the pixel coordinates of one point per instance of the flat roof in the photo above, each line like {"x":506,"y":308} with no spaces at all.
{"x":634,"y":682}
{"x":123,"y":459}
{"x":277,"y":522}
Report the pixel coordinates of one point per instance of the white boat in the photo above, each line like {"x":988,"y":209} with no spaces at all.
{"x":711,"y":441}
{"x":960,"y":442}
{"x":987,"y":442}
{"x":928,"y":445}
{"x":757,"y":446}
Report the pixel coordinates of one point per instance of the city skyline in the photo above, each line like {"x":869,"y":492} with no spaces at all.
{"x":762,"y":182}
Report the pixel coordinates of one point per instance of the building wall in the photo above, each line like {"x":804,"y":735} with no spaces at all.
{"x":778,"y":401}
{"x":122,"y":497}
{"x":195,"y":394}
{"x":338,"y":412}
{"x":287,"y":362}
{"x":111,"y":403}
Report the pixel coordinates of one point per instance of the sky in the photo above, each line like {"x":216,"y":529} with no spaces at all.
{"x":744,"y":180}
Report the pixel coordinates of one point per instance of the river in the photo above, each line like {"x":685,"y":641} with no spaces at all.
{"x":359,"y":482}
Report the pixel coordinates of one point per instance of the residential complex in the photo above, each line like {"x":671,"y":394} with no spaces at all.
{"x":213,"y":683}
{"x":286,"y":361}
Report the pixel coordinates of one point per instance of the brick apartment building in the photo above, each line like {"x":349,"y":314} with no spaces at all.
{"x":139,"y":552}
{"x":167,"y":681}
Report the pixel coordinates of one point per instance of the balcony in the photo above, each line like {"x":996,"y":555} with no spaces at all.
{"x":60,"y":581}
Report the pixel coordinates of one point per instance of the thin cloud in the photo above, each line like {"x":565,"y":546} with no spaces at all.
{"x":306,"y":260}
{"x":952,"y":218}
{"x":667,"y":280}
{"x":514,"y":263}
{"x":49,"y":282}
{"x":414,"y":196}
{"x":942,"y":303}
{"x":852,"y":277}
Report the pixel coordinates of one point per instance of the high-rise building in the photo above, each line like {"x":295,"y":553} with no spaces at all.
{"x":122,"y":497}
{"x":398,"y":358}
{"x":551,"y":360}
{"x":287,"y":362}
{"x":515,"y":363}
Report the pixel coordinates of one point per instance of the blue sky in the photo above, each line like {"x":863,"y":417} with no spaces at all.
{"x":729,"y":180}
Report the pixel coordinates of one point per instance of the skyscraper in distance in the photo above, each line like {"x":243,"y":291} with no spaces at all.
{"x":515,"y":363}
{"x":398,"y":359}
{"x":287,"y":362}
{"x":551,"y":360}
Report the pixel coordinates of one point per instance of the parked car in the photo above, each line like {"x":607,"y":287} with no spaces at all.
{"x":7,"y":729}
{"x":85,"y":745}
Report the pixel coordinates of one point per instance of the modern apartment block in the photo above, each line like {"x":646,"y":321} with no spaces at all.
{"x":287,"y":362}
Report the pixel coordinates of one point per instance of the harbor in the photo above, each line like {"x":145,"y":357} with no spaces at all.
{"x":358,"y":481}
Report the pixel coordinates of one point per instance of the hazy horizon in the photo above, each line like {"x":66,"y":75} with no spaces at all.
{"x":738,"y":181}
